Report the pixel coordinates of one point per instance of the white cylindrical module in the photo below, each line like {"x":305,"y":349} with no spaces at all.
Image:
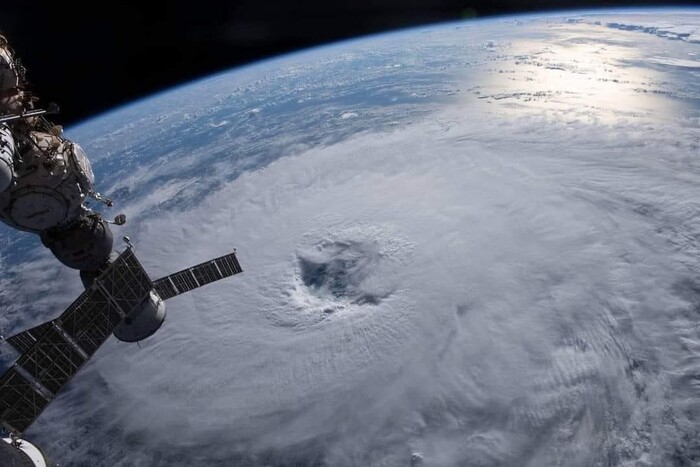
{"x":21,"y":452}
{"x":143,"y":321}
{"x":7,"y":153}
{"x":52,"y":179}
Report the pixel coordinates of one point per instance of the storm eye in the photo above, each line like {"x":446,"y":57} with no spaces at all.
{"x":340,"y":271}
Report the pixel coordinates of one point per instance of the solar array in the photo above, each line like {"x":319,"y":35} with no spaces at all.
{"x":25,"y":340}
{"x":21,"y":403}
{"x":54,"y":351}
{"x":197,"y":276}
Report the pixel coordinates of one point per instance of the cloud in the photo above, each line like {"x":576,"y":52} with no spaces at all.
{"x":676,"y":62}
{"x":685,"y":32}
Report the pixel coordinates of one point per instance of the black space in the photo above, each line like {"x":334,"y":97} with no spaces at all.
{"x":98,"y":55}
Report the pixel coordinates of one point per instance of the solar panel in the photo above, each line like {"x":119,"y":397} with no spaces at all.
{"x":228,"y":265}
{"x":20,"y":401}
{"x":197,"y":276}
{"x":53,"y":352}
{"x":90,"y":320}
{"x":26,"y":339}
{"x":164,"y":288}
{"x":53,"y":360}
{"x":184,"y":281}
{"x":206,"y":273}
{"x":126,"y":281}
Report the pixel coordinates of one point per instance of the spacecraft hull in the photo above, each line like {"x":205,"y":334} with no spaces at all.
{"x":143,"y":321}
{"x":22,"y":454}
{"x":86,"y":245}
{"x":51,"y":180}
{"x":7,"y":153}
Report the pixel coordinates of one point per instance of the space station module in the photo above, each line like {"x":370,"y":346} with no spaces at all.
{"x":46,"y":179}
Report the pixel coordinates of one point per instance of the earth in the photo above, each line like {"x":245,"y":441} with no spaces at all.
{"x":473,"y":243}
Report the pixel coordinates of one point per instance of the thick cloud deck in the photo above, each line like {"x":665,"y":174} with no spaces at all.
{"x":467,"y":245}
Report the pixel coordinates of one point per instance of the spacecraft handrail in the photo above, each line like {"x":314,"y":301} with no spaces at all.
{"x":51,"y":109}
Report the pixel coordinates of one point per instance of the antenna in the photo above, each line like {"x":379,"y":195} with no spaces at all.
{"x":51,"y":109}
{"x":120,"y":219}
{"x":98,"y":197}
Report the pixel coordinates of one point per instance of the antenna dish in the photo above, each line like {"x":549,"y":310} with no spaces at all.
{"x":120,"y":219}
